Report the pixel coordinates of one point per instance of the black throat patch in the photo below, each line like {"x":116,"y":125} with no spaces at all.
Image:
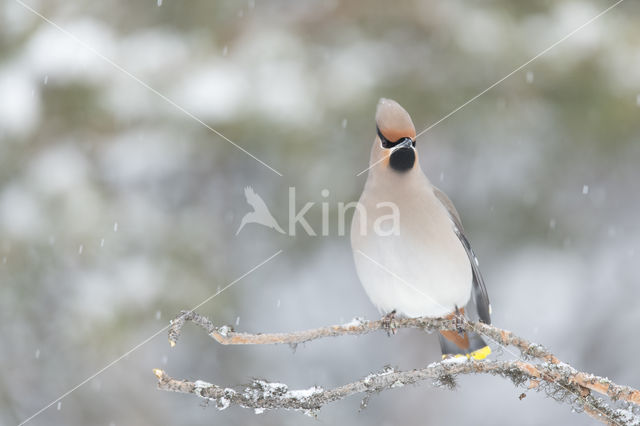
{"x":402,"y":159}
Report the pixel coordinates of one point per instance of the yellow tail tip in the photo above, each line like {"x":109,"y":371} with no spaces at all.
{"x":450,"y":356}
{"x":481,"y":353}
{"x":478,"y":354}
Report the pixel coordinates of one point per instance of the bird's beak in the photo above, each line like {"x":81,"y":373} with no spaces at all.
{"x":406,"y":143}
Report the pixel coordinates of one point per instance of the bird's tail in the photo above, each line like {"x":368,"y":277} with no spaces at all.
{"x":467,"y":344}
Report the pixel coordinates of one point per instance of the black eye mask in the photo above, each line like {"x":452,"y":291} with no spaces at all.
{"x":386,"y":143}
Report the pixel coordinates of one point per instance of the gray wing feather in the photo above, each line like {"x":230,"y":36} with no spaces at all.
{"x":480,"y":294}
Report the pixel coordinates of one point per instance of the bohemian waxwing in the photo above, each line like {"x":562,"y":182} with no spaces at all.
{"x":423,"y":264}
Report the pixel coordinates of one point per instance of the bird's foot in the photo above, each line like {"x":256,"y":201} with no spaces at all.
{"x":459,"y":320}
{"x":388,"y":323}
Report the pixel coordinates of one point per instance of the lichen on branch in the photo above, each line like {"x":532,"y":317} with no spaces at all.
{"x":537,"y":369}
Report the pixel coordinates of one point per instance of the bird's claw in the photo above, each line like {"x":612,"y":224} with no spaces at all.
{"x":459,"y":320}
{"x":388,"y":323}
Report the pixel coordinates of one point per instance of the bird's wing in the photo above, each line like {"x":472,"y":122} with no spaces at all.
{"x":254,"y":199}
{"x":480,"y":294}
{"x":446,"y":202}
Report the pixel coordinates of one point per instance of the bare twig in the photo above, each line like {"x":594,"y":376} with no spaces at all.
{"x":558,"y":379}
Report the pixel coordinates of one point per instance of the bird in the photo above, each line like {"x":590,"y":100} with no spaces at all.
{"x":426,"y":268}
{"x":260,"y":213}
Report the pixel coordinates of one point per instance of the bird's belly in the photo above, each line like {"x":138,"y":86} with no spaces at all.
{"x":412,"y":276}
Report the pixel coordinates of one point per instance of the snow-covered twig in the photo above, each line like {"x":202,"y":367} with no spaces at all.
{"x":558,"y":379}
{"x":227,"y":336}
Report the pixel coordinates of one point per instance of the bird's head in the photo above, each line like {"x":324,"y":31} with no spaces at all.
{"x":395,"y":142}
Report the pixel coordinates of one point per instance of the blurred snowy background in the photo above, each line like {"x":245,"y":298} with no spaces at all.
{"x":117,"y":210}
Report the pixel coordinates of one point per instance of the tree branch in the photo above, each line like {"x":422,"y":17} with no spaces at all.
{"x":557,"y":379}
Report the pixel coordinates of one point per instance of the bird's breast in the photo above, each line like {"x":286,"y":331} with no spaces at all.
{"x":422,"y":269}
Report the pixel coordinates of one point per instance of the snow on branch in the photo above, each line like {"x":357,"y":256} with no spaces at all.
{"x":536,"y":369}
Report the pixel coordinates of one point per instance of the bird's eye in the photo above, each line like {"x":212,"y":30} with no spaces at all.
{"x":386,"y":143}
